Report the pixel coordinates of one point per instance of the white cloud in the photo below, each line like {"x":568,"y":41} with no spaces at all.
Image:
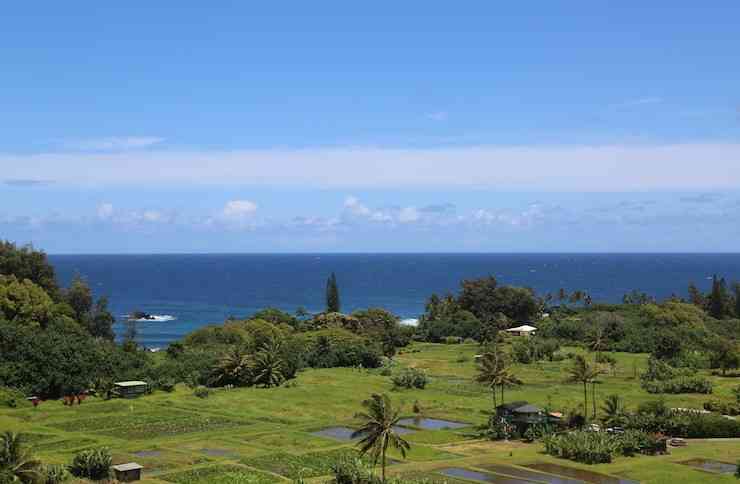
{"x":437,"y":116}
{"x":408,"y":214}
{"x":639,"y":102}
{"x":239,"y":209}
{"x":105,"y":211}
{"x":112,"y":143}
{"x":616,"y":168}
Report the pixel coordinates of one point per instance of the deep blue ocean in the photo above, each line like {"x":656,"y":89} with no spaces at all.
{"x":189,"y":291}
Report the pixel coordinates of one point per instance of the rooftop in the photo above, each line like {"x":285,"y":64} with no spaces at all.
{"x":133,"y":383}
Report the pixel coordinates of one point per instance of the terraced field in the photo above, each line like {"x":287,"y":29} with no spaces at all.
{"x":277,"y":435}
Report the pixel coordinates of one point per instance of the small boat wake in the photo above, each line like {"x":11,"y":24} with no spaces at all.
{"x":150,"y":318}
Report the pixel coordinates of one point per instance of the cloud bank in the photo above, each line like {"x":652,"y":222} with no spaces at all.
{"x":613,"y":168}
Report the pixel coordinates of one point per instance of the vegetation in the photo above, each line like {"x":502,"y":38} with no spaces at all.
{"x":17,"y":464}
{"x":94,"y":464}
{"x":378,"y":430}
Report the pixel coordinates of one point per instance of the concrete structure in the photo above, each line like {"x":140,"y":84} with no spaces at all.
{"x":128,"y":472}
{"x":524,"y":330}
{"x":130,"y":389}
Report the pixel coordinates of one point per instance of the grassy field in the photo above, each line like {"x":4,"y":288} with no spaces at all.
{"x":265,"y":435}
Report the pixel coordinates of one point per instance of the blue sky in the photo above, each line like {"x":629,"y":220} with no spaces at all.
{"x":391,"y":126}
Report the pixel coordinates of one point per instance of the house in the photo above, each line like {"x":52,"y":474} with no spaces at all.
{"x":128,"y":472}
{"x":524,"y":330}
{"x":130,"y":389}
{"x":522,"y":414}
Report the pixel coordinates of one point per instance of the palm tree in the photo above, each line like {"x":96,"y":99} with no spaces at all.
{"x":613,"y":409}
{"x":507,"y":378}
{"x":378,"y":430}
{"x":268,"y":367}
{"x":490,"y":366}
{"x":233,"y":368}
{"x":16,"y":460}
{"x":582,"y":372}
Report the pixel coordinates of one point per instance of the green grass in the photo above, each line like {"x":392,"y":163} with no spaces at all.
{"x":259,"y":435}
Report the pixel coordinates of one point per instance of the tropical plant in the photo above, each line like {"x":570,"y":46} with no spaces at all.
{"x":17,"y":463}
{"x":268,"y":367}
{"x":377,"y":431}
{"x":613,"y":410}
{"x":234,"y":368}
{"x":410,"y":378}
{"x":491,"y":366}
{"x":92,"y":464}
{"x":582,"y":372}
{"x":55,"y":474}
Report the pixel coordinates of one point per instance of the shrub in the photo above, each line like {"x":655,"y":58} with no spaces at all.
{"x":55,"y":474}
{"x":202,"y":392}
{"x":92,"y":464}
{"x":694,"y":384}
{"x":582,"y":446}
{"x":410,"y":378}
{"x":722,"y":407}
{"x":167,"y":385}
{"x":452,"y":340}
{"x":348,"y":470}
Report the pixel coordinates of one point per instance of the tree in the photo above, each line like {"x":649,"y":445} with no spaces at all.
{"x":23,"y":302}
{"x":736,"y":292}
{"x":234,"y":368}
{"x":486,"y":299}
{"x":716,"y":299}
{"x":490,"y":366}
{"x":268,"y":367}
{"x":378,"y":432}
{"x":28,"y":263}
{"x":723,"y":355}
{"x":333,"y":304}
{"x":613,"y":410}
{"x":16,"y":460}
{"x":79,"y":297}
{"x":695,"y":296}
{"x":582,"y":372}
{"x":101,"y":322}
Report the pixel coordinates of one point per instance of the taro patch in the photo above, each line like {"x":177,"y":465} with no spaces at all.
{"x":220,"y":474}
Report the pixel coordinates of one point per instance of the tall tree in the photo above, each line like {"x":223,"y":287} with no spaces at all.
{"x":716,"y":299}
{"x":378,"y":430}
{"x":79,"y":297}
{"x":736,"y":293}
{"x":100,"y":324}
{"x":16,"y":461}
{"x":333,"y":304}
{"x":490,"y":366}
{"x":28,"y":263}
{"x":695,"y":296}
{"x":582,"y":372}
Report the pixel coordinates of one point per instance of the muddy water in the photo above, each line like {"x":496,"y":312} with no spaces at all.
{"x":583,"y":475}
{"x":432,"y":423}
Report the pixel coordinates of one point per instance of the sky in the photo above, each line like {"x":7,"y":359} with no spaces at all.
{"x":580,"y":126}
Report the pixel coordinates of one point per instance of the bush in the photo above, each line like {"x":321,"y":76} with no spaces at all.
{"x":722,"y":407}
{"x":92,"y":464}
{"x":166,"y":385}
{"x":452,"y":340}
{"x":583,"y":446}
{"x":410,"y":378}
{"x":55,"y":474}
{"x":348,"y":470}
{"x":202,"y":392}
{"x":695,"y":384}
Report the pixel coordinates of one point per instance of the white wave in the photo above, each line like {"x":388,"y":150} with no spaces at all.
{"x":157,"y":318}
{"x":409,"y":322}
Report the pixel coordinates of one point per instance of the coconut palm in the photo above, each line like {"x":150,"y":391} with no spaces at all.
{"x":582,"y":372}
{"x":268,"y":366}
{"x":378,"y":430}
{"x":613,"y":409}
{"x":233,"y":368}
{"x":16,"y":460}
{"x":490,"y":366}
{"x":507,"y":379}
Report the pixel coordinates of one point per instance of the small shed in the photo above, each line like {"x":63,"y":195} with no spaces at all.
{"x":128,"y":472}
{"x":131,"y":389}
{"x":524,"y":330}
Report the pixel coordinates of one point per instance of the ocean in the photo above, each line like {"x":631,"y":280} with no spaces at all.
{"x":189,"y":291}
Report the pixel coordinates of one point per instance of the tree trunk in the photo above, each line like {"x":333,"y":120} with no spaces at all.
{"x":502,"y":394}
{"x":585,"y":398}
{"x":493,"y":394}
{"x":382,"y":464}
{"x":593,"y":397}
